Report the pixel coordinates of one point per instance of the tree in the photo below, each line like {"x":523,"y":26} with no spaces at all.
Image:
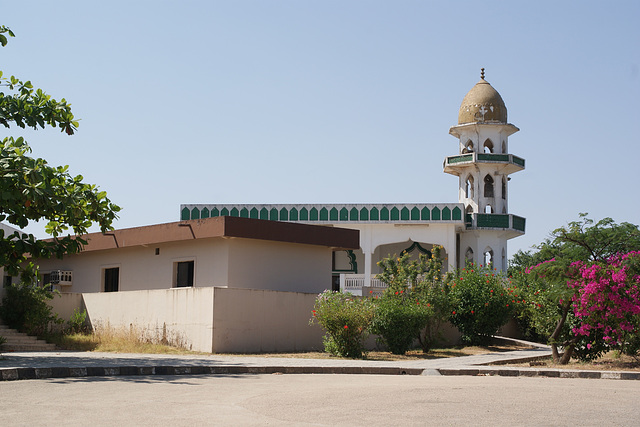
{"x":32,"y":190}
{"x":549,"y":276}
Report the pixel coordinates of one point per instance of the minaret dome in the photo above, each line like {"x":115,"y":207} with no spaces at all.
{"x":482,"y":104}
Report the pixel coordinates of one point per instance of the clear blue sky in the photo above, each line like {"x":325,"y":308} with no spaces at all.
{"x":333,"y":101}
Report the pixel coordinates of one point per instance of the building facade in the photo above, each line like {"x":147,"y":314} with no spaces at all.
{"x":475,"y":229}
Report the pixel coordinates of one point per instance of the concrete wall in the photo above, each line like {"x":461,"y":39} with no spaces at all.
{"x":207,"y":319}
{"x":251,"y":321}
{"x":259,"y":264}
{"x":243,"y":263}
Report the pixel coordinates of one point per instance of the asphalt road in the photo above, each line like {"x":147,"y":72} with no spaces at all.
{"x":318,"y":400}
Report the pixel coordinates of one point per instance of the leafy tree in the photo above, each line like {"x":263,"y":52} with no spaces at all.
{"x":550,"y":288}
{"x":32,"y":190}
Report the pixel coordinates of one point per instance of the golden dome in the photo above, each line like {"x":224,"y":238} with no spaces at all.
{"x":482,"y":104}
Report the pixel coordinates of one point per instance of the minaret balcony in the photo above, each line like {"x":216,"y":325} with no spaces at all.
{"x":508,"y":162}
{"x":514,"y":225}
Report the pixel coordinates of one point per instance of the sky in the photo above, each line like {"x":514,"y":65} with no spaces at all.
{"x":271,"y":101}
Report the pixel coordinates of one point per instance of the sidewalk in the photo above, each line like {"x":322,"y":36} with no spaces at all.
{"x":60,"y":364}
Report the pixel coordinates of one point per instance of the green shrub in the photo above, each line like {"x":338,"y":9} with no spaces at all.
{"x":77,"y":322}
{"x":24,"y":307}
{"x":481,"y":302}
{"x":346,"y":320}
{"x":399,"y":318}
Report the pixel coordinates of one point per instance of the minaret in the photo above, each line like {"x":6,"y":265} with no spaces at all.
{"x":483,"y":166}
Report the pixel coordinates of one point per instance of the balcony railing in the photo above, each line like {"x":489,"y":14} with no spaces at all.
{"x":516,"y":163}
{"x":493,"y":221}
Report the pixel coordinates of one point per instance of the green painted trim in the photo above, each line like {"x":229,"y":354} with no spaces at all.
{"x":374,"y":215}
{"x":395,"y":214}
{"x":195,"y":213}
{"x":324,"y":214}
{"x":425,"y":214}
{"x":244,"y":213}
{"x":273,"y":214}
{"x":234,"y":212}
{"x":185,"y":214}
{"x":284,"y":214}
{"x":364,"y":214}
{"x":264,"y":213}
{"x":353,"y":214}
{"x":344,"y":214}
{"x":293,"y":214}
{"x":415,"y":214}
{"x":215,"y":212}
{"x":417,"y":246}
{"x":224,"y":212}
{"x":404,"y":214}
{"x":352,"y":262}
{"x":204,"y":213}
{"x":456,"y":214}
{"x":314,"y":214}
{"x":384,"y":214}
{"x":446,"y":214}
{"x":304,"y":214}
{"x":435,"y":214}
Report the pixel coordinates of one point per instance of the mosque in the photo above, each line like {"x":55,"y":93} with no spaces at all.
{"x":475,"y":229}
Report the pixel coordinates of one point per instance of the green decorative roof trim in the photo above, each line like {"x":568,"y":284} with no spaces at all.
{"x":333,"y":214}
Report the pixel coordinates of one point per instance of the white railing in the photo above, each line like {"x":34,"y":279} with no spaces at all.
{"x":354,"y":283}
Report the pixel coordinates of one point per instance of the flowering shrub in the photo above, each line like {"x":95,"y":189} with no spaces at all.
{"x":399,"y":318}
{"x":607,"y":305}
{"x":481,"y":303}
{"x":415,"y":304}
{"x":346,"y":320}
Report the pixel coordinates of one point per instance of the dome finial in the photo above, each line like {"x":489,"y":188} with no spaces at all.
{"x":482,"y":73}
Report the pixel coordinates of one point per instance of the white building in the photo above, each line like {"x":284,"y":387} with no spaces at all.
{"x":475,"y":229}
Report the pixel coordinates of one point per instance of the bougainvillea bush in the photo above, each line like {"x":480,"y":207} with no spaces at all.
{"x":481,"y":302}
{"x":346,"y":320}
{"x":606,"y":304}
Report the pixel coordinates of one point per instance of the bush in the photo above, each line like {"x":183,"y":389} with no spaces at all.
{"x":481,"y":303}
{"x":24,"y":307}
{"x":77,"y":322}
{"x":398,"y":319}
{"x":346,"y":320}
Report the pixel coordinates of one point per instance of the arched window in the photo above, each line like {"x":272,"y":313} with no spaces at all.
{"x":504,"y":147}
{"x":504,"y":187}
{"x":468,"y":148}
{"x":468,"y":188}
{"x":488,"y":186}
{"x":504,"y":260}
{"x":488,"y":257}
{"x":488,"y":146}
{"x":488,"y":209}
{"x":468,"y":256}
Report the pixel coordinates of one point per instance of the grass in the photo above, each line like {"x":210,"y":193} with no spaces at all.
{"x":611,"y":361}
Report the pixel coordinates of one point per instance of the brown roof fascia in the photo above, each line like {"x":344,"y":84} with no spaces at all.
{"x":225,"y":226}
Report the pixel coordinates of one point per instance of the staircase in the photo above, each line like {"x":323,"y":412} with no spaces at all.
{"x":17,"y":341}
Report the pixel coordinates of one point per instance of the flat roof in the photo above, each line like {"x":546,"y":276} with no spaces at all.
{"x":224,"y":226}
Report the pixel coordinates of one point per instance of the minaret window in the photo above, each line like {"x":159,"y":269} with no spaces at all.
{"x":488,"y":257}
{"x":488,"y":186}
{"x":468,"y":188}
{"x":468,"y":256}
{"x":504,"y":187}
{"x":488,"y":209}
{"x":488,"y":146}
{"x":504,"y":147}
{"x":468,"y":148}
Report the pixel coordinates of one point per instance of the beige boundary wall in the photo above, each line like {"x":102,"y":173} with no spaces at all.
{"x":209,"y":319}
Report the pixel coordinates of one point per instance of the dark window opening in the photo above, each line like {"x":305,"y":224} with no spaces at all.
{"x":184,"y":274}
{"x":111,"y":279}
{"x":488,"y":186}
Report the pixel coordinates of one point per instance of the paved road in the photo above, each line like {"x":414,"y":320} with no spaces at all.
{"x":318,"y":400}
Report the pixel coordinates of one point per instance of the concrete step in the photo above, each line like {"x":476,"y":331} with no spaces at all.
{"x":18,"y":341}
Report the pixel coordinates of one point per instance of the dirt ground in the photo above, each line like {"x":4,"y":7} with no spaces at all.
{"x":609,"y":362}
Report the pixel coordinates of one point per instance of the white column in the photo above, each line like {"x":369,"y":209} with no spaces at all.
{"x":367,"y":268}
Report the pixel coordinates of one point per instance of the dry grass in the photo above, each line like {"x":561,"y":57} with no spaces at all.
{"x":108,"y":339}
{"x":612,"y":361}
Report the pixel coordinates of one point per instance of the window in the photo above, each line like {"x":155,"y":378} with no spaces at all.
{"x":7,"y":281}
{"x":488,"y":257}
{"x":488,"y":186}
{"x":184,"y":274}
{"x":504,"y":188}
{"x":468,"y":256}
{"x":468,"y":188}
{"x":488,"y":146}
{"x":111,"y":279}
{"x":468,"y":148}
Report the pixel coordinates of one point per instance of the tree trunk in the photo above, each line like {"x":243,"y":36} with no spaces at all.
{"x":556,"y":334}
